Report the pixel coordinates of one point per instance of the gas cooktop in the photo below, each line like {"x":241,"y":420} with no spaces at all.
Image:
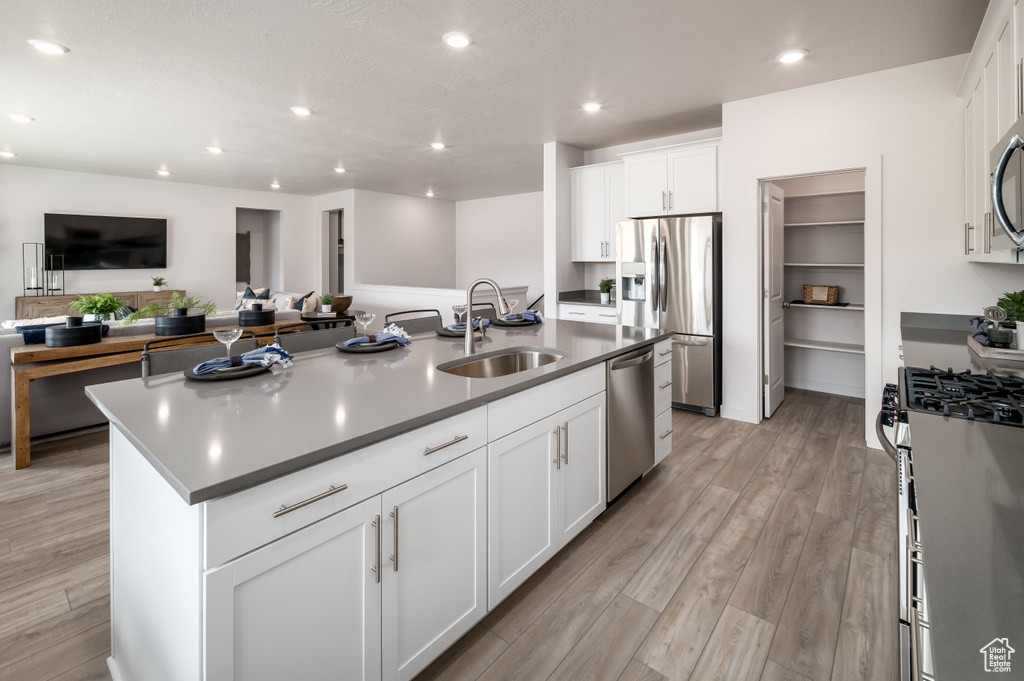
{"x":990,"y":398}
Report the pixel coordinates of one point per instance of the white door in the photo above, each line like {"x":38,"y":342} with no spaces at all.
{"x":693,"y":181}
{"x":774,"y":280}
{"x":646,"y":186}
{"x":304,"y":607}
{"x":435,"y":567}
{"x":581,"y":482}
{"x":588,"y":214}
{"x":521,"y":492}
{"x":615,"y":192}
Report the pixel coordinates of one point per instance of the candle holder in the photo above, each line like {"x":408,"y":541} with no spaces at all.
{"x":33,"y":270}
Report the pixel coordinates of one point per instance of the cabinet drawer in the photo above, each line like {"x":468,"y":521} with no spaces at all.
{"x":662,"y":387}
{"x":588,"y":313}
{"x":663,"y":351}
{"x":243,"y":521}
{"x":520,"y":410}
{"x":662,"y":435}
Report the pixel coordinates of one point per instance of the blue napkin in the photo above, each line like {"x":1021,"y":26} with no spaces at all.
{"x":477,"y":322}
{"x":264,"y":356}
{"x":529,"y":315}
{"x":390,"y":333}
{"x":979,"y":329}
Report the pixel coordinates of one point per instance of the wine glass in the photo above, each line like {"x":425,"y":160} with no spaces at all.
{"x":459,"y":310}
{"x":227,"y":337}
{"x":513,"y":303}
{"x":365,"y":318}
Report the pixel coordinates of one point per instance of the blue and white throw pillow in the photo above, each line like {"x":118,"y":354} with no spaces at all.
{"x":298,"y":305}
{"x":259,"y":294}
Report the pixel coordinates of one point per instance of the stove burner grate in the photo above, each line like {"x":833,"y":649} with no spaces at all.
{"x":990,"y":398}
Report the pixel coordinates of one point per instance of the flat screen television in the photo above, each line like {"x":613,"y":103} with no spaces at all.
{"x":99,"y":242}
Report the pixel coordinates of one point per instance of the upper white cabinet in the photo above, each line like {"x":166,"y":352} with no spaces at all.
{"x":672,"y":181}
{"x":598,"y":199}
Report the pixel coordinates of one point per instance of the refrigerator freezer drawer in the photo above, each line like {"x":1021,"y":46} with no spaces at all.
{"x":693,"y":371}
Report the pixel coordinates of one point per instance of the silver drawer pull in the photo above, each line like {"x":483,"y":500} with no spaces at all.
{"x":579,"y":313}
{"x":394,"y":556}
{"x":376,"y":564}
{"x":665,"y":434}
{"x":662,"y":387}
{"x":312,"y":500}
{"x":455,"y":441}
{"x":667,"y":352}
{"x":607,"y":315}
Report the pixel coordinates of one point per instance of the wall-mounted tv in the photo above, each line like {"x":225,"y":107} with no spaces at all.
{"x":99,"y":242}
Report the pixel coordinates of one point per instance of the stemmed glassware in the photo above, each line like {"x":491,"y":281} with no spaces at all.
{"x":365,"y":318}
{"x":513,"y":303}
{"x":227,"y":337}
{"x":459,"y":310}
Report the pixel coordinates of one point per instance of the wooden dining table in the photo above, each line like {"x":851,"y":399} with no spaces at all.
{"x":31,"y":362}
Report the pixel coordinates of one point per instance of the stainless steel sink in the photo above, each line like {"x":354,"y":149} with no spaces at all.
{"x":501,"y":362}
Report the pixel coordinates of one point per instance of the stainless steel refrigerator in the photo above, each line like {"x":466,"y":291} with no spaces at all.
{"x":668,"y":274}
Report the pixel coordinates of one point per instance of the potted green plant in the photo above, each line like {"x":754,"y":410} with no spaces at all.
{"x":325,"y":302}
{"x":159,"y":283}
{"x":605,"y":286}
{"x":1013,"y":303}
{"x":98,"y":307}
{"x":173,"y":318}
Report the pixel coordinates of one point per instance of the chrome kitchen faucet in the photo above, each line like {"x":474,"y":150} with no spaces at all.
{"x":502,"y":309}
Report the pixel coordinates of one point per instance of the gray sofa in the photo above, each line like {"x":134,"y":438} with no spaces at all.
{"x":59,"y":402}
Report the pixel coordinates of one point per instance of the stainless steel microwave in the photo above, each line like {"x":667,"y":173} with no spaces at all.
{"x":1008,"y":190}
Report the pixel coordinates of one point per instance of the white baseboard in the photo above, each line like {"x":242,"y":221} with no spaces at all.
{"x":738,"y":413}
{"x":826,"y":387}
{"x":115,"y":673}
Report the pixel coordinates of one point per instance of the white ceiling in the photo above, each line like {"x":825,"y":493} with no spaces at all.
{"x":151,"y":83}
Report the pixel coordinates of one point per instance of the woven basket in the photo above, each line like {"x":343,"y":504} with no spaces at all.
{"x":829,"y":299}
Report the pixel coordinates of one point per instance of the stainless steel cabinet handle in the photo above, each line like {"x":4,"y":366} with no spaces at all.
{"x":606,"y":315}
{"x":558,"y":447}
{"x":670,"y":200}
{"x":662,"y":387}
{"x":312,"y":500}
{"x":663,"y":201}
{"x":579,"y":313}
{"x":1020,"y":88}
{"x":668,"y":352}
{"x":454,"y":441}
{"x":394,"y":556}
{"x":565,"y":452}
{"x":665,"y":434}
{"x":967,"y":238}
{"x":376,"y":565}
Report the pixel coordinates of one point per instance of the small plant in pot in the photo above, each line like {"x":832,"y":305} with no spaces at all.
{"x":325,"y":302}
{"x":159,"y":283}
{"x":1013,"y":303}
{"x":98,"y":308}
{"x":605,"y":286}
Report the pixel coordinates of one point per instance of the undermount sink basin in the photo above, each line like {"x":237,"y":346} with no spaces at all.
{"x":501,"y":363}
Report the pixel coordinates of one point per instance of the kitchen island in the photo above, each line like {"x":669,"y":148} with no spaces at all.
{"x":352,"y":516}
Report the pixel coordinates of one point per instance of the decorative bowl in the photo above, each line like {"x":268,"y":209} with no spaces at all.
{"x":341,"y":303}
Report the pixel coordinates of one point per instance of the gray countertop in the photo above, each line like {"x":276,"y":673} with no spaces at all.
{"x":208,"y":439}
{"x":970,"y":483}
{"x":583,"y":297}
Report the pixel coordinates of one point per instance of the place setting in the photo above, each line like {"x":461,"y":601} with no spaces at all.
{"x":527,"y":318}
{"x":458,"y":329}
{"x":233,"y":367}
{"x":393,"y":336}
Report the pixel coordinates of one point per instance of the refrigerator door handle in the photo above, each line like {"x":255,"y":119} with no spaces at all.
{"x":656,"y":288}
{"x":692,"y":344}
{"x":662,"y":279}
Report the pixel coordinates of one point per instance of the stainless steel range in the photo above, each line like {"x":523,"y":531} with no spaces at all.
{"x":988,"y":397}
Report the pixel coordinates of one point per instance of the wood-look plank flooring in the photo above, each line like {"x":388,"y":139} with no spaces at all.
{"x":752,"y":552}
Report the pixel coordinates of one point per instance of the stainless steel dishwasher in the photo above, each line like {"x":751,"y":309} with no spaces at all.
{"x":630,"y":418}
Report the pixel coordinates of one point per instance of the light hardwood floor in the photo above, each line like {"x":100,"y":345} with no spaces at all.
{"x":762,"y":552}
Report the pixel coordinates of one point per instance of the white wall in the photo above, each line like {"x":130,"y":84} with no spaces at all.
{"x":910,"y":118}
{"x":560,"y":272}
{"x":501,"y":238}
{"x":404,"y":240}
{"x":201,"y":230}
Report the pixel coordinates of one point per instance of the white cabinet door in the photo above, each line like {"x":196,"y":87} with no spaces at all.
{"x":435,"y":571}
{"x":1007,"y":75}
{"x":693,"y":181}
{"x":581,"y":486}
{"x":646,"y":186}
{"x":304,"y":607}
{"x":521,"y":506}
{"x":589,"y":214}
{"x":970,"y":183}
{"x":615,"y":191}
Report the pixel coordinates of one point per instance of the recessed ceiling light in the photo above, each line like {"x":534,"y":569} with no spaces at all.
{"x":430,"y":194}
{"x":48,"y":47}
{"x":592,"y":106}
{"x":457,"y":39}
{"x":437,"y":145}
{"x":275,"y":185}
{"x":215,"y":150}
{"x":20,"y":118}
{"x":301,"y":111}
{"x":164,"y":173}
{"x":339,"y":169}
{"x":7,"y":154}
{"x":791,"y":56}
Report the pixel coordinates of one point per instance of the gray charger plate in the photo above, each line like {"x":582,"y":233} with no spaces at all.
{"x":450,"y":333}
{"x":369,"y":347}
{"x":241,"y":372}
{"x":515,"y":322}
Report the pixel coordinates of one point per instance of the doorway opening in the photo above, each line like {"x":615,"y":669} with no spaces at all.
{"x":333,"y":249}
{"x":814,"y":290}
{"x":258,"y":249}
